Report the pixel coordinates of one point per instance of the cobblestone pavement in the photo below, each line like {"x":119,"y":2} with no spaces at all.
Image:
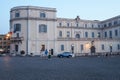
{"x":79,"y":68}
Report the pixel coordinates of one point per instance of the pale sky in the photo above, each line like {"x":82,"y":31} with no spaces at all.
{"x":86,"y":9}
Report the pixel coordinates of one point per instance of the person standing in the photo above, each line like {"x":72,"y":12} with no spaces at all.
{"x":46,"y":52}
{"x":49,"y":55}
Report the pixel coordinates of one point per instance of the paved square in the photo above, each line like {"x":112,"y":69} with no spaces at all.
{"x":79,"y":68}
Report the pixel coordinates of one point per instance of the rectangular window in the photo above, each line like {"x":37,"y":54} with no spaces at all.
{"x":115,"y":22}
{"x":103,"y":47}
{"x":116,"y":32}
{"x":110,"y":34}
{"x":81,"y":47}
{"x":16,"y":48}
{"x":68,"y":34}
{"x":98,"y":35}
{"x":118,"y":46}
{"x":17,"y":34}
{"x":109,"y":24}
{"x":105,"y":25}
{"x":86,"y":34}
{"x":77,"y":25}
{"x":92,"y":26}
{"x":105,"y":34}
{"x":62,"y":47}
{"x":98,"y":26}
{"x":42,"y":15}
{"x":60,"y":33}
{"x":60,"y":24}
{"x":17,"y":27}
{"x":17,"y":14}
{"x":68,"y":25}
{"x":93,"y":35}
{"x":85,"y":25}
{"x":43,"y":28}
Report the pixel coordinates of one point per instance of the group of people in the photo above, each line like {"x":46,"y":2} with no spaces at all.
{"x":46,"y":53}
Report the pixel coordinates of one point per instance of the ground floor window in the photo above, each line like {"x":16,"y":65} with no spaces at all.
{"x":118,"y":46}
{"x":62,"y":47}
{"x":16,"y":48}
{"x":81,"y":47}
{"x":102,"y":46}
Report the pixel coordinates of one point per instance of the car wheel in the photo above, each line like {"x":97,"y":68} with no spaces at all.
{"x":69,"y":56}
{"x":61,"y":56}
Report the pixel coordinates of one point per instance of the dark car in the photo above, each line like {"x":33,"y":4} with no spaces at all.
{"x":65,"y":54}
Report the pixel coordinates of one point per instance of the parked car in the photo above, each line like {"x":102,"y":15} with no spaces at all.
{"x":65,"y":54}
{"x":2,"y":52}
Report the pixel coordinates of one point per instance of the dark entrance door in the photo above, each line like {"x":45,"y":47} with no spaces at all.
{"x":52,"y":52}
{"x":43,"y":48}
{"x":92,"y":49}
{"x":16,"y":48}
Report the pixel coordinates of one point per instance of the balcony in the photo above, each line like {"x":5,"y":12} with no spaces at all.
{"x":16,"y":39}
{"x":85,"y":39}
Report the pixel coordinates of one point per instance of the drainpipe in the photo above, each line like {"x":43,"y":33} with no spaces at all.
{"x":27,"y":30}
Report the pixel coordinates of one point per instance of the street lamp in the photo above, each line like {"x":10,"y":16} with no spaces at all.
{"x":7,"y":37}
{"x":87,"y":45}
{"x":87,"y":48}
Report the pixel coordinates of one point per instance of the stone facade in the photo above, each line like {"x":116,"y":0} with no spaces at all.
{"x":38,"y":28}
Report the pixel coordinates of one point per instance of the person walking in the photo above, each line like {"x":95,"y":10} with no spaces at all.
{"x":46,"y":52}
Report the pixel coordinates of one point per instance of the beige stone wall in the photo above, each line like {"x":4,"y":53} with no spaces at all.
{"x":51,"y":39}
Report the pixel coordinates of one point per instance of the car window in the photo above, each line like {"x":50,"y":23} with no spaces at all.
{"x":66,"y":53}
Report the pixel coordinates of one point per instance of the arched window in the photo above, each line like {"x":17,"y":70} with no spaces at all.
{"x":77,"y":36}
{"x":42,"y":15}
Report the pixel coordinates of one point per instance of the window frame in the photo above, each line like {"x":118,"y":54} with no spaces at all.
{"x":42,"y":15}
{"x":103,"y":47}
{"x":60,"y":33}
{"x":42,"y":28}
{"x":62,"y":47}
{"x":17,"y":27}
{"x":81,"y":47}
{"x":93,"y":35}
{"x":77,"y":36}
{"x":86,"y":34}
{"x":17,"y":14}
{"x":116,"y":32}
{"x":68,"y":34}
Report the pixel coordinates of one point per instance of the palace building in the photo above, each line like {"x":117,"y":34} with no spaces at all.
{"x":35,"y":29}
